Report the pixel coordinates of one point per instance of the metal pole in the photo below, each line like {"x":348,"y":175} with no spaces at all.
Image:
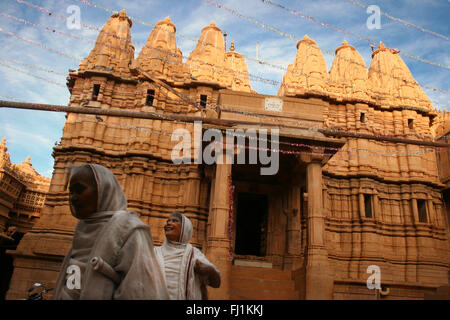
{"x":214,"y":121}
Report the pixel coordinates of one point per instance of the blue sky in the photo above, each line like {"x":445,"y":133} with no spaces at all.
{"x":34,"y":133}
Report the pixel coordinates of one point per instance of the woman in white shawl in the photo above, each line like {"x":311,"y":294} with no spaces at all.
{"x":186,"y":269}
{"x":112,"y":254}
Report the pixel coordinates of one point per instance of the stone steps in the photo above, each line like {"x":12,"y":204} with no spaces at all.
{"x":251,"y":283}
{"x":442,"y":293}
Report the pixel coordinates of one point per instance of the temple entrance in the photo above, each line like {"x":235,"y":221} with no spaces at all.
{"x":6,"y":261}
{"x":251,"y":224}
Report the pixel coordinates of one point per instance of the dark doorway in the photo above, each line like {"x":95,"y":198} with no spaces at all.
{"x":251,"y":224}
{"x":6,"y":262}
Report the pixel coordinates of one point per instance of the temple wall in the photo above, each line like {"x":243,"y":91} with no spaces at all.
{"x":412,"y":253}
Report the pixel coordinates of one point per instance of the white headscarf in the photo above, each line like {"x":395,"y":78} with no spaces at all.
{"x":177,"y":261}
{"x":110,"y":195}
{"x":110,"y":199}
{"x":91,"y":238}
{"x":185,"y":229}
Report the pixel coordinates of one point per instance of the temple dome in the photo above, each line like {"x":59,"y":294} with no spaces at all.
{"x":113,"y":51}
{"x":391,"y":82}
{"x":239,"y":79}
{"x":348,"y":73}
{"x":160,"y":55}
{"x":207,"y":60}
{"x":307,"y":73}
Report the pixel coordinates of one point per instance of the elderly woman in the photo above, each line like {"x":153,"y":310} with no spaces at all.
{"x":112,"y":254}
{"x":186,"y":269}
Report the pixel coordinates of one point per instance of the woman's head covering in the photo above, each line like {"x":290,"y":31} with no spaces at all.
{"x":110,"y":194}
{"x":185,"y":229}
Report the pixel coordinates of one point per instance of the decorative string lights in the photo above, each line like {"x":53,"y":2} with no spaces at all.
{"x":404,"y":22}
{"x":297,"y":123}
{"x":220,"y":108}
{"x":230,"y":214}
{"x":204,"y":65}
{"x":256,"y":78}
{"x":290,"y":36}
{"x":372,"y":42}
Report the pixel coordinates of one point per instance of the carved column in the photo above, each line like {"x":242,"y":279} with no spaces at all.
{"x":217,"y":248}
{"x":291,"y":209}
{"x":318,"y":275}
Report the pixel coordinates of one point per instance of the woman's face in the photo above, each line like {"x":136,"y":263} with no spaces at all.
{"x":173,"y":228}
{"x":83,"y":193}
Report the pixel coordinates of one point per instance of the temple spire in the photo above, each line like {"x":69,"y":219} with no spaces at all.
{"x":307,"y":73}
{"x":207,"y":60}
{"x":113,"y":50}
{"x":161,"y":56}
{"x":348,"y":73}
{"x":391,"y":82}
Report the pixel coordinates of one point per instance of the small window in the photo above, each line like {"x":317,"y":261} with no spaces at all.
{"x":422,"y":207}
{"x":368,"y":205}
{"x":95,"y":92}
{"x":411,"y":123}
{"x":150,"y":97}
{"x":362,"y":117}
{"x":203,"y":100}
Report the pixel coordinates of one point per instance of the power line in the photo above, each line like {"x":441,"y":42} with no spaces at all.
{"x":33,"y":66}
{"x":273,"y":82}
{"x":404,"y":22}
{"x":194,"y":40}
{"x":204,"y":65}
{"x":326,"y":25}
{"x":32,"y":75}
{"x":213,"y":121}
{"x":40,"y":45}
{"x":290,"y":36}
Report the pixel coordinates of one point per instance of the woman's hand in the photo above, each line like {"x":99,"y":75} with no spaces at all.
{"x":208,"y":275}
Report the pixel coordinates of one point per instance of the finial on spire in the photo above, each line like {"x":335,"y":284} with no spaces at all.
{"x":306,"y":39}
{"x":27,"y":161}
{"x":3,"y":147}
{"x":212,"y":24}
{"x":381,"y":45}
{"x":344,"y":43}
{"x":123,"y":13}
{"x":167,"y":19}
{"x":232,"y":46}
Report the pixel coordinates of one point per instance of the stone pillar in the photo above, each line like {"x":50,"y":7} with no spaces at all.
{"x":291,"y":209}
{"x":218,"y":248}
{"x":318,"y":275}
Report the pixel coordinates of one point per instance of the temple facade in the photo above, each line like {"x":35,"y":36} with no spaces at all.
{"x":340,"y":210}
{"x":22,"y":197}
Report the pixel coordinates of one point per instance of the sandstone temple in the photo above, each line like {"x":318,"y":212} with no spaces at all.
{"x":22,"y":197}
{"x":360,"y":183}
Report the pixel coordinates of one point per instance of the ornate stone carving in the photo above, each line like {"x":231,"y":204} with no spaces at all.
{"x":348,"y":74}
{"x":238,"y":80}
{"x":160,"y":55}
{"x":391,"y":82}
{"x":307,"y":73}
{"x":113,"y":51}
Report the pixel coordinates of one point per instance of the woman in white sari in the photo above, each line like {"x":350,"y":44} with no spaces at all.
{"x":112,"y":254}
{"x":186,"y":270}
